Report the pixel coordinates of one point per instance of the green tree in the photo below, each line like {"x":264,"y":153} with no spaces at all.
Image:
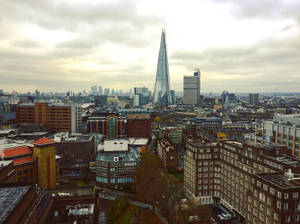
{"x":115,"y":209}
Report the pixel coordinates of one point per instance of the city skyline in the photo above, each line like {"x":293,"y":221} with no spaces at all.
{"x":56,"y":46}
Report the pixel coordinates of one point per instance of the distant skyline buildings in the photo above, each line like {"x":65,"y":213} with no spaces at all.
{"x":162,"y":95}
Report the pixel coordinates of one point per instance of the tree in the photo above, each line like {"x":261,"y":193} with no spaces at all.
{"x":146,"y":174}
{"x":115,"y":209}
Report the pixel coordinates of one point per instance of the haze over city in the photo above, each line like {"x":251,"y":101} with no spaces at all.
{"x":240,"y":46}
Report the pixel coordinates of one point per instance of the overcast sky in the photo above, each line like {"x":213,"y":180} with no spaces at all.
{"x":239,"y":45}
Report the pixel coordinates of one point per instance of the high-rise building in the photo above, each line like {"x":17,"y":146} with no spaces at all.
{"x":191,"y":89}
{"x":173,"y":96}
{"x":113,"y":92}
{"x":162,"y":94}
{"x":142,"y":96}
{"x":100,"y":92}
{"x":94,"y":90}
{"x":106,"y":91}
{"x":228,"y":98}
{"x":253,"y":98}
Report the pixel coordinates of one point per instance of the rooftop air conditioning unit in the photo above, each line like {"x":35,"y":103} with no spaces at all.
{"x":116,"y":159}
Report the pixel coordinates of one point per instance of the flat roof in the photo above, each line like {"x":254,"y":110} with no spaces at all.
{"x":279,"y":179}
{"x":138,"y":141}
{"x":138,"y":116}
{"x":9,"y":198}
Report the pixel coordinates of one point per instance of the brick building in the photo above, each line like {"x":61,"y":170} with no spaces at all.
{"x":138,"y":125}
{"x":115,"y":126}
{"x":168,"y":154}
{"x":228,"y":172}
{"x":56,"y":117}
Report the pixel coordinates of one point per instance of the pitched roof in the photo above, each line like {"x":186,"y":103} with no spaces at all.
{"x":42,"y":141}
{"x":23,"y":160}
{"x":16,"y":152}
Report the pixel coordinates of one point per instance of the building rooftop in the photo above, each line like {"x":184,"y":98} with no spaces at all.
{"x":9,"y":198}
{"x":116,"y":145}
{"x":42,"y":141}
{"x":138,"y":116}
{"x":22,"y":161}
{"x":130,"y":155}
{"x":280,"y":180}
{"x":15,"y":152}
{"x":138,"y":141}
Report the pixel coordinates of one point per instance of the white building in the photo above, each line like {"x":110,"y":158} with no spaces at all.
{"x":191,"y":89}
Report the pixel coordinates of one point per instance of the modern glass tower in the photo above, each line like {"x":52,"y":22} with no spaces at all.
{"x":162,"y":94}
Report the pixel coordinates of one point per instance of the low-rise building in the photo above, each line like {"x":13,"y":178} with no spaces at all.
{"x":115,"y":164}
{"x":168,"y":155}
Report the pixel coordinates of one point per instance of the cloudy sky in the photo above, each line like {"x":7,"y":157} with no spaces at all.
{"x":239,"y":45}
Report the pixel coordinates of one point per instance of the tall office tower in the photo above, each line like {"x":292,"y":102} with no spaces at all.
{"x":94,"y":90}
{"x":100,"y":92}
{"x":162,"y":94}
{"x":113,"y":92}
{"x":253,"y":98}
{"x":191,"y":89}
{"x":106,"y":91}
{"x":173,"y":96}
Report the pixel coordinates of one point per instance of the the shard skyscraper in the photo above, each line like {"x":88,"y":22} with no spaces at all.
{"x":162,"y":94}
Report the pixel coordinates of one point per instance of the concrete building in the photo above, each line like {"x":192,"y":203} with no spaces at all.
{"x":191,"y":89}
{"x":101,"y":100}
{"x":56,"y":117}
{"x":249,"y":180}
{"x":76,"y":152}
{"x":253,"y":99}
{"x":142,"y":96}
{"x":115,"y":164}
{"x":283,"y":130}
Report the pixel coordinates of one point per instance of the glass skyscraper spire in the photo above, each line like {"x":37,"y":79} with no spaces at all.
{"x":162,"y":94}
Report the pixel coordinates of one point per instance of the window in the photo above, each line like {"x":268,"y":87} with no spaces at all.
{"x":25,"y":171}
{"x":286,"y":196}
{"x":285,"y":206}
{"x":295,"y":195}
{"x":278,"y":204}
{"x":287,"y":219}
{"x":19,"y":172}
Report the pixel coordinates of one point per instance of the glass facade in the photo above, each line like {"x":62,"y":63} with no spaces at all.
{"x":162,"y":94}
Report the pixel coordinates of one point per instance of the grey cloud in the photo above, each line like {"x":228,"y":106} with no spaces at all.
{"x":268,"y":9}
{"x":59,"y":15}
